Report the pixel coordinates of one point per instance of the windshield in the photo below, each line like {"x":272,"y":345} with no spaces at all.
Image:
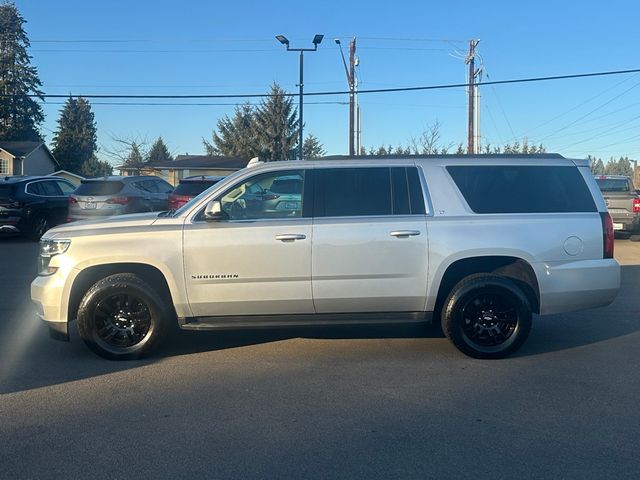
{"x":613,"y":184}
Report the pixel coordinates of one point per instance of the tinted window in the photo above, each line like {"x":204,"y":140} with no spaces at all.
{"x":613,"y":184}
{"x":163,"y":187}
{"x":193,"y":188}
{"x":416,"y":196}
{"x":523,"y":189}
{"x":99,"y":187}
{"x":66,"y":188}
{"x":400,"y":191}
{"x":342,"y":192}
{"x":35,"y":189}
{"x":50,"y":188}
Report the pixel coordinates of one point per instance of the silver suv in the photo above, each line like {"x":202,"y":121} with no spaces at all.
{"x":478,"y":243}
{"x":116,"y":195}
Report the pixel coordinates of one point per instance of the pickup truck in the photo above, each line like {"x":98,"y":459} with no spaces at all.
{"x":622,"y":201}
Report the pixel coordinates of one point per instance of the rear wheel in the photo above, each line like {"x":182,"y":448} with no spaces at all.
{"x":122,"y":317}
{"x":39,"y":226}
{"x":486,"y":316}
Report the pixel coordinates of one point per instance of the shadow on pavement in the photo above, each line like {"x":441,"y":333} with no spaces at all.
{"x":30,"y":359}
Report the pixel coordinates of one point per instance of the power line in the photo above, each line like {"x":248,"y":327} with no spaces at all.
{"x":341,"y":92}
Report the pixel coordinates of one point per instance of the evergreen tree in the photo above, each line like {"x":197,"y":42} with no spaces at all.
{"x":135,"y":157}
{"x":20,"y":115}
{"x":597,"y":166}
{"x":620,"y":167}
{"x":159,"y":152}
{"x":277,"y":126}
{"x":236,"y":136}
{"x":312,"y":148}
{"x":75,"y":141}
{"x":95,"y":168}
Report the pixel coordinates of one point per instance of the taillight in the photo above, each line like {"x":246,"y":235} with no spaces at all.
{"x":607,"y":235}
{"x":176,"y":201}
{"x":636,"y":205}
{"x":72,"y":200}
{"x":118,"y":200}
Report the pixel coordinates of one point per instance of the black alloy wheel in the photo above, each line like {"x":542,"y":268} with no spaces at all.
{"x":123,"y":317}
{"x":487,"y":316}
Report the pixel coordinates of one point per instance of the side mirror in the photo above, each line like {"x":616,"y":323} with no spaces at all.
{"x":213,"y":212}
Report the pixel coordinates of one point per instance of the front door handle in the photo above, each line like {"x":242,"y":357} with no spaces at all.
{"x":290,"y":237}
{"x":404,"y":233}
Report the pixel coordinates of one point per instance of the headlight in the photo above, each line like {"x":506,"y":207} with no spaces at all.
{"x":49,"y":248}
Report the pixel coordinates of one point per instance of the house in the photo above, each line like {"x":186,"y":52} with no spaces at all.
{"x":72,"y":177}
{"x":26,"y":158}
{"x":186,"y":166}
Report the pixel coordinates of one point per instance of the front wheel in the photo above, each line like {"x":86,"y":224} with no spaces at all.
{"x":486,"y":316}
{"x":122,"y":317}
{"x":39,"y":226}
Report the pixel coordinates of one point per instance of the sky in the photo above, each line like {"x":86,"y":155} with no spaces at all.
{"x":213,"y":47}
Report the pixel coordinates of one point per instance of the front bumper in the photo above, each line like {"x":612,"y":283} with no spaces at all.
{"x":50,"y":296}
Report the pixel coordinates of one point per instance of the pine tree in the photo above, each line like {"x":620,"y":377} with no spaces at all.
{"x":135,"y":157}
{"x":236,"y":136}
{"x":597,"y":166}
{"x":20,"y":115}
{"x":277,"y":126}
{"x":312,"y":148}
{"x":75,"y":141}
{"x":95,"y":168}
{"x":159,"y":152}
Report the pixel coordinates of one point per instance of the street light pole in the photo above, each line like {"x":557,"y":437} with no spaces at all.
{"x":351,"y":81}
{"x":317,"y":39}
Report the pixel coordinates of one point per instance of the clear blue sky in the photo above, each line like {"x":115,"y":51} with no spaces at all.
{"x":194,"y":47}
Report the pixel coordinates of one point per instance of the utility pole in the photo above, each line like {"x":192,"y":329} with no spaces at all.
{"x":471,"y":134}
{"x":352,"y":96}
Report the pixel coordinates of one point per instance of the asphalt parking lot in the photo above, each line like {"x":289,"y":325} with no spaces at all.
{"x":315,"y":403}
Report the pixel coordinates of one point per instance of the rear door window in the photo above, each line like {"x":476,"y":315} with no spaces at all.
{"x":367,"y":191}
{"x":522,"y":189}
{"x":50,"y":188}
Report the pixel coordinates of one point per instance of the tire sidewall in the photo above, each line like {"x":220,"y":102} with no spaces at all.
{"x":452,"y":318}
{"x":110,"y":286}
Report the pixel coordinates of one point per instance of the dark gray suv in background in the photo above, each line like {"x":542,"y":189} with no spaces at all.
{"x":116,"y":195}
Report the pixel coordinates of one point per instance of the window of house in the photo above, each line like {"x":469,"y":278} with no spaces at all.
{"x":4,"y":166}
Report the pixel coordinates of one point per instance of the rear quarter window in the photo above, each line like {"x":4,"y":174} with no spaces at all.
{"x":522,"y":189}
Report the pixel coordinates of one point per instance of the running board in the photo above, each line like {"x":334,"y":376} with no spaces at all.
{"x":303,"y":320}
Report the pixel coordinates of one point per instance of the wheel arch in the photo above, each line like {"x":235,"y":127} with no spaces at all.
{"x":90,"y":275}
{"x":514,"y":268}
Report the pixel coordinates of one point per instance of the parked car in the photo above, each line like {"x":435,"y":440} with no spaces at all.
{"x":622,"y":200}
{"x":190,"y":187}
{"x":116,"y":195}
{"x":30,"y":205}
{"x":477,"y":243}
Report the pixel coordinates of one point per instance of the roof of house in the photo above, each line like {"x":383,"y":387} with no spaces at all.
{"x":194,"y":162}
{"x":66,"y":172}
{"x":19,"y":148}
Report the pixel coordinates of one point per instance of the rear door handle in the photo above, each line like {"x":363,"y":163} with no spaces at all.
{"x":404,"y":233}
{"x":290,"y":237}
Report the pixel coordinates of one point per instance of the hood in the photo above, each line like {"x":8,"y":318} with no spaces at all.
{"x":84,"y":227}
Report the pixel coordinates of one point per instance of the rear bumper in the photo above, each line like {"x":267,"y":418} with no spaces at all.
{"x":571,"y":286}
{"x":628,"y":222}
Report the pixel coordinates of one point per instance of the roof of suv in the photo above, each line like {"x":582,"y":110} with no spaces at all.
{"x":119,"y":178}
{"x":28,"y":178}
{"x":445,"y":156}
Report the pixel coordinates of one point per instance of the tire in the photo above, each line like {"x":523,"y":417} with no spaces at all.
{"x":39,"y":226}
{"x":122,"y":317}
{"x":486,"y":316}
